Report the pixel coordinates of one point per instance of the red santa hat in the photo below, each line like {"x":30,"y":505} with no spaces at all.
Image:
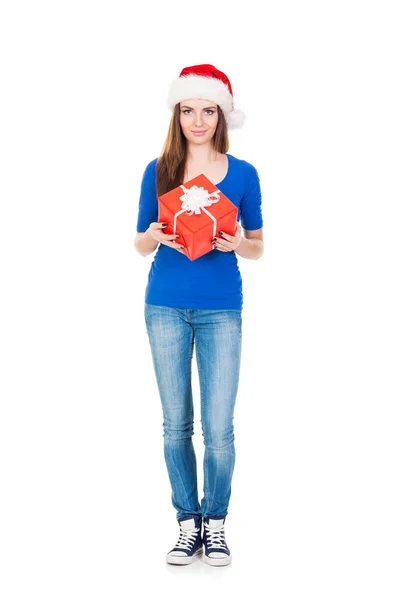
{"x":208,"y":83}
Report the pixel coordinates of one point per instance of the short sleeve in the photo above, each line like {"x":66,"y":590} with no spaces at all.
{"x":251,"y":203}
{"x":148,"y":202}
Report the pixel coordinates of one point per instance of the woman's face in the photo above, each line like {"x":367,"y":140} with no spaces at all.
{"x":198,"y":116}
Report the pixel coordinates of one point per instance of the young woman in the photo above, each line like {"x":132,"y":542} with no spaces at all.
{"x":199,"y":303}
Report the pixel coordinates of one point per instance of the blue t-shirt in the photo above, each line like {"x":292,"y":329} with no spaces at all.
{"x":212,"y":280}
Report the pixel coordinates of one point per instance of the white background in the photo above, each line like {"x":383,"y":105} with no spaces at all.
{"x":85,"y":504}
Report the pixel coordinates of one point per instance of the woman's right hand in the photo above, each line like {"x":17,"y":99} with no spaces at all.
{"x":156,"y":232}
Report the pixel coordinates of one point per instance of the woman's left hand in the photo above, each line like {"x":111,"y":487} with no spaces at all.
{"x":226,"y":242}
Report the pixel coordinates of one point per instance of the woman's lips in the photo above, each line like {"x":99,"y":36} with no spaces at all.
{"x":199,"y":132}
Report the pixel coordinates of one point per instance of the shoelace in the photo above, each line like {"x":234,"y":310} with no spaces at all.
{"x":216,"y":536}
{"x":187,"y":538}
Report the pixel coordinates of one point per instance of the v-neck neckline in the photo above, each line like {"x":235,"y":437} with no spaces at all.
{"x":227,"y":173}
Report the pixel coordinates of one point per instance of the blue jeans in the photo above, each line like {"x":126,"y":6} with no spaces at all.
{"x":217,"y":335}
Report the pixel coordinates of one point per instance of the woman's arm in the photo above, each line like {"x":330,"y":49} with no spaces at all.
{"x":252,"y":245}
{"x":144,"y":243}
{"x":147,"y":241}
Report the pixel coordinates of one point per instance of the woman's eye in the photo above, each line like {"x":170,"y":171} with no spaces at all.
{"x":210,"y":112}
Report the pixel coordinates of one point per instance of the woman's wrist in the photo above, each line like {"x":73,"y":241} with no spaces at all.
{"x":250,"y":248}
{"x":145,"y":244}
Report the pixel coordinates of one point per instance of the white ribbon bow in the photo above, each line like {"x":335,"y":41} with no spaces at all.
{"x":194,"y":200}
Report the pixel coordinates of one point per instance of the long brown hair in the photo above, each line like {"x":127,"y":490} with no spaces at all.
{"x":171,"y":163}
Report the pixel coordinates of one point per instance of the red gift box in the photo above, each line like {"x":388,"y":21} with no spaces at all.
{"x":197,"y":210}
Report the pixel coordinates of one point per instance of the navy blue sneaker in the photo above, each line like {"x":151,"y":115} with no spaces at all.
{"x":216,"y":551}
{"x":189,"y":544}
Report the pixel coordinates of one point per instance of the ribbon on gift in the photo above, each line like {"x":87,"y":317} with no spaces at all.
{"x":194,"y":200}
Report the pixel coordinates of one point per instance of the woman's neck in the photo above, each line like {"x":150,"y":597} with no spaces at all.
{"x":205,"y":154}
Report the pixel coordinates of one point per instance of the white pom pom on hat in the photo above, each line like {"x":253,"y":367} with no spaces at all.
{"x":208,"y":83}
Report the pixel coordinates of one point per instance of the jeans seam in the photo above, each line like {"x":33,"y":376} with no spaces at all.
{"x":206,"y":491}
{"x":190,"y":375}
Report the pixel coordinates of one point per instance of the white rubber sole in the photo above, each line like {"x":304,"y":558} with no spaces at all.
{"x":217,"y":562}
{"x":182,"y":560}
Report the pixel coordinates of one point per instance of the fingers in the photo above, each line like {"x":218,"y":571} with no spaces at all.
{"x":218,"y":245}
{"x":174,"y":246}
{"x":168,"y":236}
{"x":160,"y":236}
{"x":178,"y":246}
{"x":225,"y":240}
{"x":225,"y":236}
{"x":157,"y":225}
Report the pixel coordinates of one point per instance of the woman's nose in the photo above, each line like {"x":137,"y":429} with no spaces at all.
{"x":198,"y":119}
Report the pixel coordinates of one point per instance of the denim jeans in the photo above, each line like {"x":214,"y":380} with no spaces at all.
{"x":217,"y":336}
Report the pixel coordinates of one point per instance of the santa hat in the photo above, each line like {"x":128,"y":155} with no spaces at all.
{"x":206,"y":82}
